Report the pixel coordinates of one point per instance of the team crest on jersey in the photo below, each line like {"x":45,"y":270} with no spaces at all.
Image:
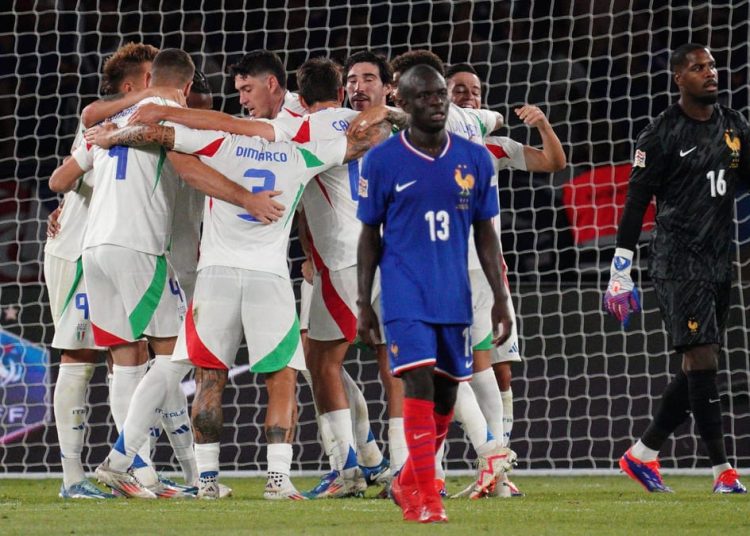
{"x":693,"y":325}
{"x":394,"y":349}
{"x":466,"y":182}
{"x":640,"y":159}
{"x":734,"y":144}
{"x":362,"y":188}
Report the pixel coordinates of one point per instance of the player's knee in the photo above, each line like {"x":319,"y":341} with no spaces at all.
{"x":83,"y":355}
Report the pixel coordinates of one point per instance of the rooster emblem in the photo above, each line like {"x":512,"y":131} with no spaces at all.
{"x":733,"y":142}
{"x":466,"y":182}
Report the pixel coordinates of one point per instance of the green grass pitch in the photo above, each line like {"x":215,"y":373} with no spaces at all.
{"x":553,"y":505}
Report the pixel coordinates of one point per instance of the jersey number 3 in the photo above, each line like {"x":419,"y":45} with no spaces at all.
{"x":267,"y":180}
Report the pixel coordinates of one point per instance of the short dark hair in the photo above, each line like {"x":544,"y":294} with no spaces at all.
{"x":408,"y":78}
{"x":200,"y":83}
{"x":460,"y":68}
{"x":679,"y":56}
{"x":407,"y":60}
{"x":173,"y":65}
{"x":260,"y":62}
{"x":367,"y":56}
{"x":126,"y":61}
{"x":319,"y":80}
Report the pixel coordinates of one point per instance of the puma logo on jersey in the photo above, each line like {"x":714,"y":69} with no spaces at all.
{"x":685,"y":153}
{"x":402,"y":187}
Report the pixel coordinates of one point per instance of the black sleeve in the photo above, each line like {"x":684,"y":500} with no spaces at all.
{"x":646,"y":177}
{"x":639,"y":197}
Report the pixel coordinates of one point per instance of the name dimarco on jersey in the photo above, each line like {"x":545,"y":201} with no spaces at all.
{"x":263,"y":156}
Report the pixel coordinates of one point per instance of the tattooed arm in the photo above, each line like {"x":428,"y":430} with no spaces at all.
{"x":359,"y":142}
{"x":108,"y":135}
{"x":376,"y":114}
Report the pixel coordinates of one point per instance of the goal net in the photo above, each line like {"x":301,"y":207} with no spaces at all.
{"x":586,"y":387}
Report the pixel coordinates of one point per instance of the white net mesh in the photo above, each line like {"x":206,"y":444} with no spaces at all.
{"x":599,"y":70}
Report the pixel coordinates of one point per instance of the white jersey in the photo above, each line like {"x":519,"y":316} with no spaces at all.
{"x":291,"y":106}
{"x":506,"y":154}
{"x":231,"y":237}
{"x":474,"y":125}
{"x":68,"y":243}
{"x":134,"y":193}
{"x":330,"y":200}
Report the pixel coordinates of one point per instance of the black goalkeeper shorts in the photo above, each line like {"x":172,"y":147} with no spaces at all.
{"x":694,"y":312}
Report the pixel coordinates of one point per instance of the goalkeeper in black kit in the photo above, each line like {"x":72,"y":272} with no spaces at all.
{"x":690,"y":158}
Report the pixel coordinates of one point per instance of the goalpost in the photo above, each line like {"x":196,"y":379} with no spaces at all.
{"x":586,"y":387}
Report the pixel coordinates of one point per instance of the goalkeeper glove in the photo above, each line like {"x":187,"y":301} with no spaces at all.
{"x":621,"y":297}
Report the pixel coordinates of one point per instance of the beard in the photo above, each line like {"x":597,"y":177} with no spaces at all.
{"x":711,"y":98}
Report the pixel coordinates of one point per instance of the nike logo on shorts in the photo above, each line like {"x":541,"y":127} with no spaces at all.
{"x":685,"y":153}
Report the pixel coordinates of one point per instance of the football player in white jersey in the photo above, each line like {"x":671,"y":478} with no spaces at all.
{"x":331,"y":205}
{"x":125,"y":72}
{"x":130,"y":225}
{"x":260,"y":79}
{"x":238,"y":258}
{"x":464,"y":89}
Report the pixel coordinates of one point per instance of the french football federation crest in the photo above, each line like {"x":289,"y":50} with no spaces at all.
{"x":693,"y":325}
{"x":394,"y":349}
{"x":466,"y":182}
{"x":734,"y":144}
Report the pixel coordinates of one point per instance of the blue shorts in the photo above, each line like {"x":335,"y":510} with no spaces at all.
{"x":447,"y":347}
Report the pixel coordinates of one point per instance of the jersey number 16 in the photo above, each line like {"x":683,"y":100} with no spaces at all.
{"x":718,"y":184}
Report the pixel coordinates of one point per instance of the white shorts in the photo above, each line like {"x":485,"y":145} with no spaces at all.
{"x":69,"y":305}
{"x":230,"y":302}
{"x":481,"y":329}
{"x":131,"y":294}
{"x":333,"y":309}
{"x":305,"y":297}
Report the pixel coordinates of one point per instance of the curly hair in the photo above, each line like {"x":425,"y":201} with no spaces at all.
{"x":126,"y":61}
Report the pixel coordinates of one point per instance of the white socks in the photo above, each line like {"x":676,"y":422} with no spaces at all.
{"x":70,"y":417}
{"x":340,"y":424}
{"x":150,"y":395}
{"x":507,"y":397}
{"x":368,"y":452}
{"x":124,"y":382}
{"x":439,"y":469}
{"x":279,"y":458}
{"x":175,"y":418}
{"x":397,"y":443}
{"x":468,"y":413}
{"x":487,"y":393}
{"x":207,"y":459}
{"x":643,"y":453}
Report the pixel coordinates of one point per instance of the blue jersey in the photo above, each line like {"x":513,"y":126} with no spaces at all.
{"x":426,"y":206}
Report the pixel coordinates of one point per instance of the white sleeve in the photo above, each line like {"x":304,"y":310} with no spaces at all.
{"x":84,"y":156}
{"x":487,"y":118}
{"x":285,"y":127}
{"x":200,"y":142}
{"x":506,"y":153}
{"x":320,"y":156}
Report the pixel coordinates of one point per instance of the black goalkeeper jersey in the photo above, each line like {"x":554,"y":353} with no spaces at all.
{"x":692,"y":167}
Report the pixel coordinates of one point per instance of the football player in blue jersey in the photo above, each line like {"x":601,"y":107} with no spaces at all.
{"x":425,"y":206}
